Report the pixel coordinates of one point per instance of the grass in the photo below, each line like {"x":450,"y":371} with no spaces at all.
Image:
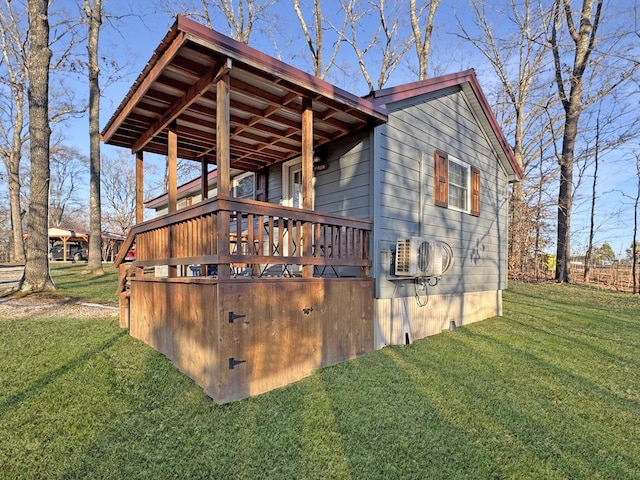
{"x":71,"y":282}
{"x":550,"y":390}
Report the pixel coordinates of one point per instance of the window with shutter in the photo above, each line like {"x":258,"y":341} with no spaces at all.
{"x":457,"y":185}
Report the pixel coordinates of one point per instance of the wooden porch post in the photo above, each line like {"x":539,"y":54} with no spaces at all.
{"x":172,"y":167}
{"x":307,"y":180}
{"x":139,"y":187}
{"x":223,"y":160}
{"x":204,"y":180}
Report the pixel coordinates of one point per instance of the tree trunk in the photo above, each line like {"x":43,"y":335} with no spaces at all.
{"x":94,"y":20}
{"x":13,"y":171}
{"x":565,"y":194}
{"x":587,"y":259}
{"x":36,"y":273}
{"x":17,"y":242}
{"x":584,"y":38}
{"x":634,"y":249}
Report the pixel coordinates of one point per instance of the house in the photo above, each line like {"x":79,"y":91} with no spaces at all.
{"x":358,"y":223}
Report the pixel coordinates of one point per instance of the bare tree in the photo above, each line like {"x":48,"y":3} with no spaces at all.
{"x":386,"y":37}
{"x":583,"y":36}
{"x":36,"y":272}
{"x":606,"y":136}
{"x":14,"y":117}
{"x":422,"y":38}
{"x":118,"y":194}
{"x":93,"y":14}
{"x":596,"y":164}
{"x":12,"y":124}
{"x":241,"y":16}
{"x":68,"y":171}
{"x":634,"y":245}
{"x":313,"y":35}
{"x":523,"y":104}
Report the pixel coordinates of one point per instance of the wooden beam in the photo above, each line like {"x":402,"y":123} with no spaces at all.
{"x":223,"y":144}
{"x":172,"y":187}
{"x":139,"y":187}
{"x":172,"y":167}
{"x":190,"y":96}
{"x":153,"y":75}
{"x":307,"y":180}
{"x":204,"y":180}
{"x":223,"y":161}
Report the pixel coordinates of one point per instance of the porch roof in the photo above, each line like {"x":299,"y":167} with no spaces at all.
{"x":267,"y":97}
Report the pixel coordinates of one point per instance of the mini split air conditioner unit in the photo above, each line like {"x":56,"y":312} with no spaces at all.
{"x":422,"y":257}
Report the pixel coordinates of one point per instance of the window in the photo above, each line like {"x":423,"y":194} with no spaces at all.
{"x":457,"y":185}
{"x":292,"y":183}
{"x":243,"y":186}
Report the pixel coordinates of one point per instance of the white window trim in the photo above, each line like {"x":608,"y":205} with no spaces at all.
{"x":238,"y":179}
{"x":288,"y":168}
{"x":467,"y":167}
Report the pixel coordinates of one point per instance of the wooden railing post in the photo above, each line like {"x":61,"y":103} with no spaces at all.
{"x":123,"y":297}
{"x":224,"y":217}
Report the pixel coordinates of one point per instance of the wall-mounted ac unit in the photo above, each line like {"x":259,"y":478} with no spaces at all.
{"x":422,"y":257}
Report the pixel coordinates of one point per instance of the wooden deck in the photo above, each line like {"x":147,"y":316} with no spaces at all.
{"x":278,"y":292}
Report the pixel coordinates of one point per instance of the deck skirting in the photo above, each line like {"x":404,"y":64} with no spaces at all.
{"x":239,"y":338}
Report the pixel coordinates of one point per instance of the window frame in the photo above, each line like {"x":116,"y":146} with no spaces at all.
{"x":236,"y":182}
{"x":442,"y":163}
{"x":466,"y":188}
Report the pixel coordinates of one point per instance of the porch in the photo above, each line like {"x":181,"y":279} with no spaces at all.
{"x":267,"y":305}
{"x":242,"y":295}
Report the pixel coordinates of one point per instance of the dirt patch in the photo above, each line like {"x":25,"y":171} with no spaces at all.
{"x":47,"y":306}
{"x":43,"y":305}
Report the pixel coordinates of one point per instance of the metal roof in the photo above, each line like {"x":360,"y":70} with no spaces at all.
{"x":267,"y":97}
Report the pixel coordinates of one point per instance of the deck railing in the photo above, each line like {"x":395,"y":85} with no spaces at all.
{"x":225,"y":237}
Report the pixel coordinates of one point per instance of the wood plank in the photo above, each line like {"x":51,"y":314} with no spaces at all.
{"x":139,"y":187}
{"x":203,"y":84}
{"x":172,"y":188}
{"x":149,"y":79}
{"x":223,"y":152}
{"x":307,"y":179}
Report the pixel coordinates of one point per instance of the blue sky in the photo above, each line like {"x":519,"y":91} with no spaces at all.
{"x":132,"y":40}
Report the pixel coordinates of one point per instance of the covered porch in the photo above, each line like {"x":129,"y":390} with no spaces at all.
{"x":242,"y":295}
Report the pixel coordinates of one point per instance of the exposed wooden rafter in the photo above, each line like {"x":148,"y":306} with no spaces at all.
{"x":195,"y":91}
{"x":265,"y":103}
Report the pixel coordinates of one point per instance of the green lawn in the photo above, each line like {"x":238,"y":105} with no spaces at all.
{"x":550,"y":390}
{"x":70,"y":281}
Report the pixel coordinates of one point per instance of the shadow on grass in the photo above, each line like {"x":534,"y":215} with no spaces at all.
{"x":400,"y":425}
{"x":171,"y":429}
{"x":52,"y":376}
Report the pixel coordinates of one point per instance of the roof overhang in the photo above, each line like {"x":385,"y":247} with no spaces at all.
{"x":468,"y":83}
{"x":178,"y":87}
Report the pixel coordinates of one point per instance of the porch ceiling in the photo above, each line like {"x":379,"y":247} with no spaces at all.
{"x":267,"y":96}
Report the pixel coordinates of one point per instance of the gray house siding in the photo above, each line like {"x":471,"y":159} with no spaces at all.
{"x":343,"y":188}
{"x":406,"y":148}
{"x":384,"y":173}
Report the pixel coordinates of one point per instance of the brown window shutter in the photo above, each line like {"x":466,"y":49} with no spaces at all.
{"x":475,"y":192}
{"x":441,"y":177}
{"x":261,"y":185}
